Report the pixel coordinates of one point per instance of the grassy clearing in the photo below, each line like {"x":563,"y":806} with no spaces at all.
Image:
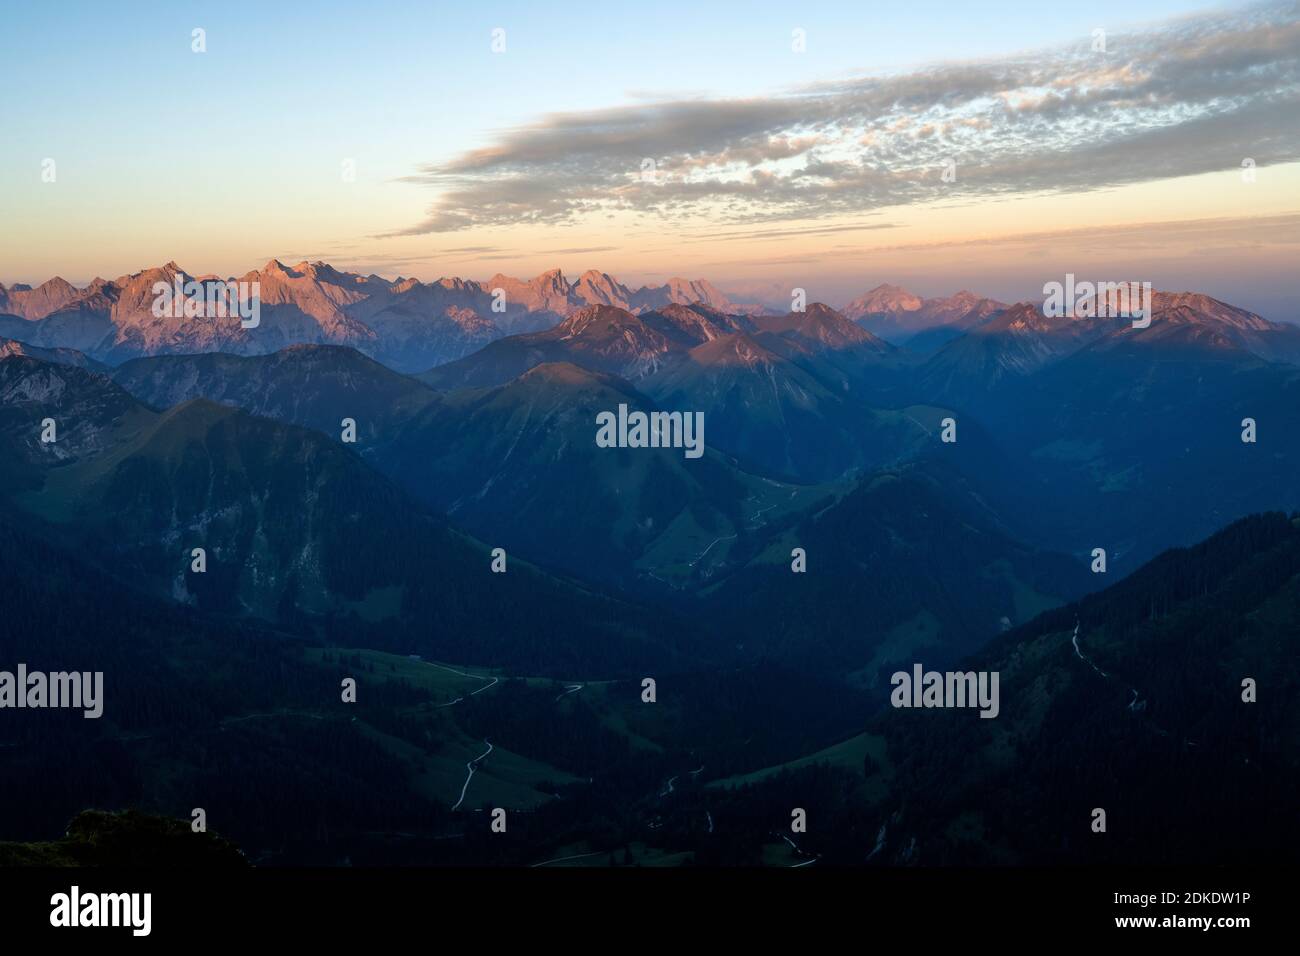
{"x":849,"y":754}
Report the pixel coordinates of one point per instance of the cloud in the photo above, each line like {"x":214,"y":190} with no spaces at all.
{"x":1193,"y":95}
{"x":764,"y":234}
{"x":1232,"y":232}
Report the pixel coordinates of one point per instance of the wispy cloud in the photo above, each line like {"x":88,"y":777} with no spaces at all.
{"x":1271,"y":231}
{"x":789,"y":233}
{"x":1191,"y":96}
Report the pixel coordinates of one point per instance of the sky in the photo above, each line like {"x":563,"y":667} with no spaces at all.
{"x":765,"y":146}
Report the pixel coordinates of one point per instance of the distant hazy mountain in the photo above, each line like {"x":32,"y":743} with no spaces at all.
{"x":600,"y":288}
{"x":406,"y":324}
{"x":116,"y":322}
{"x":411,"y":325}
{"x":1022,"y":341}
{"x":900,"y":317}
{"x":885,"y":299}
{"x":51,"y":296}
{"x":1191,"y":319}
{"x":684,"y":292}
{"x":58,"y":356}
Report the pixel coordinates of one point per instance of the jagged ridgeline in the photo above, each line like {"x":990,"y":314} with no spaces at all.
{"x":406,"y":323}
{"x":231,"y":537}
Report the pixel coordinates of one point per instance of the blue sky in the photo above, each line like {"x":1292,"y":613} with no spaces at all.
{"x":414,"y":79}
{"x":223,"y":159}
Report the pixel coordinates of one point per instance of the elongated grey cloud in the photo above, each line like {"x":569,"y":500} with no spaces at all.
{"x":1193,"y":95}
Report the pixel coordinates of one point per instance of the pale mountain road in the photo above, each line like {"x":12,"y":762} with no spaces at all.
{"x":471,"y":767}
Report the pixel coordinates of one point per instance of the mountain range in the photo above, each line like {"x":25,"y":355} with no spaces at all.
{"x":902,"y":318}
{"x":829,"y":535}
{"x":412,"y":325}
{"x":404,"y":322}
{"x":1128,"y":699}
{"x":796,"y":399}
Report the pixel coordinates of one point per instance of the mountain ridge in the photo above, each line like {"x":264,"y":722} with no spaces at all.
{"x":412,"y":325}
{"x":406,"y":323}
